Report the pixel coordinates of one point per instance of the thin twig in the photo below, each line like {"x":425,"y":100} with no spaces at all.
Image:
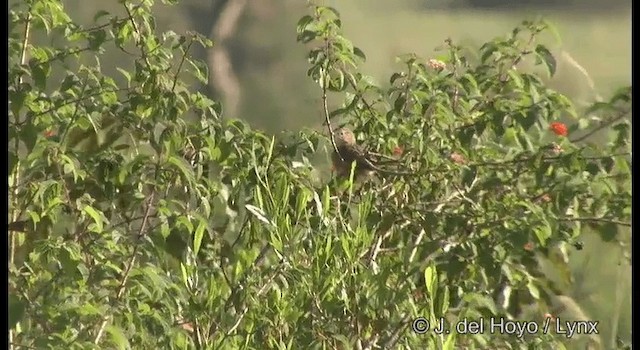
{"x":257,"y":262}
{"x":602,"y":220}
{"x":258,"y":294}
{"x":63,"y":54}
{"x":21,"y":346}
{"x":621,"y":290}
{"x":75,"y":114}
{"x":524,"y":52}
{"x":407,"y":86}
{"x":238,"y":237}
{"x":80,"y":99}
{"x":326,"y":115}
{"x":129,"y":266}
{"x":324,"y":81}
{"x":138,"y":38}
{"x":384,"y":156}
{"x":602,"y":125}
{"x":16,"y":177}
{"x":375,"y":251}
{"x":416,"y":243}
{"x":526,"y":159}
{"x":395,"y":336}
{"x":184,"y":57}
{"x":25,"y":41}
{"x":354,"y":85}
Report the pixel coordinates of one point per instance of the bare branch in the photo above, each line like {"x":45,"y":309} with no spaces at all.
{"x":599,"y":220}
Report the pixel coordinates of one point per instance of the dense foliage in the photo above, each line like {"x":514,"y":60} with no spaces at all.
{"x":141,"y":218}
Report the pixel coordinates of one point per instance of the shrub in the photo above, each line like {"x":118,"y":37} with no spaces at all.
{"x":141,"y":218}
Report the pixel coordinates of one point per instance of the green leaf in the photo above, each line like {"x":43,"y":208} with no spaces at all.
{"x":100,"y":14}
{"x":444,"y":300}
{"x":184,"y":167}
{"x":307,"y":36}
{"x":479,"y":300}
{"x":259,"y":214}
{"x":431,"y":280}
{"x":123,"y":33}
{"x":319,"y":206}
{"x":337,"y":83}
{"x":90,"y":310}
{"x":203,"y":40}
{"x":347,"y":247}
{"x":16,"y":310}
{"x":96,"y":129}
{"x":126,"y":74}
{"x":197,"y":237}
{"x":515,"y":78}
{"x":544,"y":56}
{"x":303,"y":23}
{"x":609,"y":232}
{"x":98,"y":218}
{"x":529,"y":118}
{"x":200,"y":71}
{"x":487,"y":51}
{"x":335,"y":12}
{"x":39,"y":73}
{"x":622,"y":94}
{"x":450,"y":342}
{"x":399,"y":103}
{"x":302,"y":199}
{"x":344,"y":340}
{"x":543,"y":232}
{"x":118,"y":337}
{"x":470,"y":84}
{"x":185,"y":275}
{"x":68,"y":82}
{"x":533,"y":290}
{"x":96,"y":39}
{"x":359,"y":53}
{"x":326,"y":195}
{"x":394,"y":77}
{"x":185,"y":222}
{"x":13,"y":162}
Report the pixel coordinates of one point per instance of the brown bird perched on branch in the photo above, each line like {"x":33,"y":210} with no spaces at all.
{"x":348,"y":152}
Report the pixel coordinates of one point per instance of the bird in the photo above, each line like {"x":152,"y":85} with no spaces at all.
{"x":348,"y":151}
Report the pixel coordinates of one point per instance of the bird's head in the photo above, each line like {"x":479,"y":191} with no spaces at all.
{"x":344,"y":136}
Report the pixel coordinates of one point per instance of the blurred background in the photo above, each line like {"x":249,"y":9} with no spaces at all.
{"x":258,"y":70}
